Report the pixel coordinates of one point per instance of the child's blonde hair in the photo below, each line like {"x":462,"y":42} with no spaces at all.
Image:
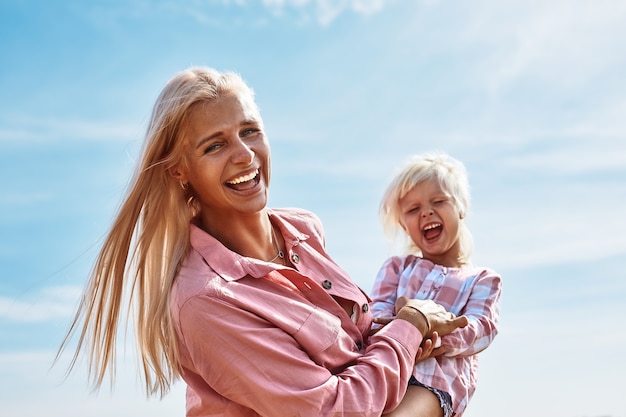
{"x":451,"y":176}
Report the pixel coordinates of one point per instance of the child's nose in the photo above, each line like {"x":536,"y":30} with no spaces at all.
{"x":427,"y":211}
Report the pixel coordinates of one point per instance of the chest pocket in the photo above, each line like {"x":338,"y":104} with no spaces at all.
{"x":326,"y":342}
{"x":319,"y":332}
{"x":323,"y":333}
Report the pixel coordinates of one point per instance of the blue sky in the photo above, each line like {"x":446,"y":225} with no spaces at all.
{"x":530,"y":95}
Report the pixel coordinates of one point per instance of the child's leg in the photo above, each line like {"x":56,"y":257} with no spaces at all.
{"x":418,"y":402}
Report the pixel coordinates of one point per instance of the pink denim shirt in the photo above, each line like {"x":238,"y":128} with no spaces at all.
{"x":260,"y":339}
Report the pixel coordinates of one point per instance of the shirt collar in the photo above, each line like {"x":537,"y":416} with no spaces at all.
{"x":230,"y":265}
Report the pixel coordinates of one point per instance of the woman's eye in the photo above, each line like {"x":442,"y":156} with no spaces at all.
{"x":249,"y":131}
{"x":212,"y":147}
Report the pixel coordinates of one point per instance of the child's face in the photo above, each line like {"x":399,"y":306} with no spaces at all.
{"x":433,"y":222}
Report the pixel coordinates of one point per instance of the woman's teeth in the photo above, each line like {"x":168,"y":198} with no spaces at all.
{"x":244,"y":178}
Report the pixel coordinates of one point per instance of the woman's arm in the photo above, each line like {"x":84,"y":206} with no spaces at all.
{"x":251,"y":361}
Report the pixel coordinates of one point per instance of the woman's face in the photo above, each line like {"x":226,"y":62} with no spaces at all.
{"x":228,"y":158}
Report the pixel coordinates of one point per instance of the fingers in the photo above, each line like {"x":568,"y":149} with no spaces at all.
{"x":418,"y":355}
{"x":436,"y":339}
{"x":400,"y":302}
{"x":424,"y":351}
{"x":383,"y":320}
{"x":449,"y":324}
{"x":378,"y":324}
{"x":430,"y":348}
{"x":438,"y":351}
{"x":461,"y":321}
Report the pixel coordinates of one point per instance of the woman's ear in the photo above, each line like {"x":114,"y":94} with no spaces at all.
{"x":177,"y":174}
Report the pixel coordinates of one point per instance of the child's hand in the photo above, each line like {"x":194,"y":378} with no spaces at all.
{"x":430,"y":348}
{"x":379,"y":323}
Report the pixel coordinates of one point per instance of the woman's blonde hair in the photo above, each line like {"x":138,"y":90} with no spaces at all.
{"x":148,"y":240}
{"x":451,"y":176}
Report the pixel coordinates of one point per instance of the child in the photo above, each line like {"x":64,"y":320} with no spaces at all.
{"x":427,"y":202}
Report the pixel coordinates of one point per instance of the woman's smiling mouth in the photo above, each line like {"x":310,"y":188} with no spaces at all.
{"x":245,"y":181}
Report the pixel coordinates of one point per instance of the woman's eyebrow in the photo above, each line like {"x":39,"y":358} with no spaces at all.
{"x":208,"y":138}
{"x":246,"y":122}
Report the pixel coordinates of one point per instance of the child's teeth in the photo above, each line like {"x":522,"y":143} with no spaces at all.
{"x":431,"y":226}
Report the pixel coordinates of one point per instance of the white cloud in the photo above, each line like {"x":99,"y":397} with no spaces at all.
{"x":328,"y":10}
{"x":537,"y":355}
{"x":568,"y":157}
{"x":551,"y":223}
{"x":21,"y":128}
{"x":23,"y":373}
{"x":46,"y":304}
{"x":561,"y":41}
{"x":324,"y":12}
{"x":222,"y":13}
{"x":25,"y":198}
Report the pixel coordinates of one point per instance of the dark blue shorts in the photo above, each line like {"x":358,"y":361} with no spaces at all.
{"x":444,"y":398}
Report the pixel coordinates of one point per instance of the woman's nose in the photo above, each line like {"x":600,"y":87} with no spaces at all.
{"x":242,"y":154}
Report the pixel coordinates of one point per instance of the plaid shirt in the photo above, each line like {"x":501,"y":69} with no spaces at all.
{"x":470,"y":291}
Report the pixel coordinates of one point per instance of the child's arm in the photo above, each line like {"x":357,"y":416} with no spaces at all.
{"x":483,"y":312}
{"x":385,"y":290}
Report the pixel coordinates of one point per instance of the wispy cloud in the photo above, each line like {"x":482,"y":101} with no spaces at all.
{"x":222,"y":13}
{"x":47,"y":304}
{"x":21,"y":127}
{"x":325,"y":11}
{"x":550,"y":222}
{"x":24,"y":199}
{"x":25,"y":372}
{"x":564,"y":41}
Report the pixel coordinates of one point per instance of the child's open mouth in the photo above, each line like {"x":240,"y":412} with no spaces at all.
{"x":432,"y":231}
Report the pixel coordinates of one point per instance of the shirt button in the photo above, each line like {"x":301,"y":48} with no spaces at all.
{"x":327,"y":284}
{"x":295,"y":258}
{"x":365,"y":308}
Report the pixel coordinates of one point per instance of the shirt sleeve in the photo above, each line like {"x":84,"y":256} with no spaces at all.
{"x":483,"y":312}
{"x":247,"y":359}
{"x":385,"y":289}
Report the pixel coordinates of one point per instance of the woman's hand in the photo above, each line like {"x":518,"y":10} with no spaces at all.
{"x":434,"y":318}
